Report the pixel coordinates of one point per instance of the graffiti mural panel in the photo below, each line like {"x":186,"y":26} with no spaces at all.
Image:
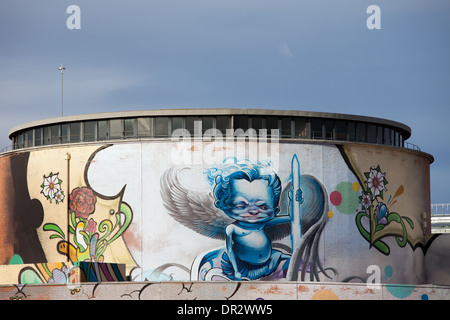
{"x":305,"y":212}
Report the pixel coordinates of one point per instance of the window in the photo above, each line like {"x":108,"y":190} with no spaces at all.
{"x":207,"y":123}
{"x":28,"y":139}
{"x":316,"y":128}
{"x":380,"y":135}
{"x":161,"y":126}
{"x":38,"y":136}
{"x":191,"y":123}
{"x":371,"y":133}
{"x":387,"y":136}
{"x":286,"y":127}
{"x":116,"y":128}
{"x":329,"y":129}
{"x":90,"y":130}
{"x":361,"y":132}
{"x":143,"y":127}
{"x":47,"y":135}
{"x":103,"y":129}
{"x":75,"y":132}
{"x":55,"y":135}
{"x":177,"y":123}
{"x":223,"y":123}
{"x":241,"y":122}
{"x":351,"y":131}
{"x":300,"y":130}
{"x":129,"y":128}
{"x":272,"y":124}
{"x":256,"y":123}
{"x":341,"y":131}
{"x":65,"y":133}
{"x":243,"y":125}
{"x":18,"y":141}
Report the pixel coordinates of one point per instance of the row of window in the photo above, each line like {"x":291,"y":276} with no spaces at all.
{"x":162,"y":127}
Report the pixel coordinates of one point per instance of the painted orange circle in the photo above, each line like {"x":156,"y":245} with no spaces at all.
{"x":325,"y":295}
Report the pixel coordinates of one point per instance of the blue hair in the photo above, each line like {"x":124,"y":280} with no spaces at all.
{"x":248,"y":171}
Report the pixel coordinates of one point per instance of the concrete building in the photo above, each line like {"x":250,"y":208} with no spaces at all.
{"x":219,"y":195}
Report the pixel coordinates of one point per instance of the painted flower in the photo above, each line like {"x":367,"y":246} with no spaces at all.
{"x":366,"y":201}
{"x":80,"y":240}
{"x":381,"y":212}
{"x":59,"y":276}
{"x":91,"y":226}
{"x":59,"y":196}
{"x":51,"y":186}
{"x":82,"y":202}
{"x":375,"y":182}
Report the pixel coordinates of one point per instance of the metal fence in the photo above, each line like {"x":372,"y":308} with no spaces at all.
{"x":441,"y":208}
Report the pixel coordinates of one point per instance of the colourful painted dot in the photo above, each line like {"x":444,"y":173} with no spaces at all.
{"x":355,"y":186}
{"x":336,"y":198}
{"x":330,"y":214}
{"x":345,"y":198}
{"x":388,"y":272}
{"x":400,"y":291}
{"x":325,"y":294}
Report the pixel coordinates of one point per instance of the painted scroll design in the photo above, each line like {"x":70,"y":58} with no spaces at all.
{"x":377,"y":213}
{"x":90,"y":236}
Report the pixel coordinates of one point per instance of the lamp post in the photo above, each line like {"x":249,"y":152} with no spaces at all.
{"x":61,"y":68}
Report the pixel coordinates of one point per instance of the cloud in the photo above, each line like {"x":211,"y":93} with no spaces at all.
{"x":285,"y":52}
{"x":161,"y":54}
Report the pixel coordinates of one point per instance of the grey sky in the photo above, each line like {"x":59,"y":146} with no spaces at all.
{"x":315,"y":55}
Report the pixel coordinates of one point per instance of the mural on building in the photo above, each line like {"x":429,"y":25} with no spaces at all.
{"x":22,"y":214}
{"x":324,"y":213}
{"x":248,"y":208}
{"x":86,"y":227}
{"x":90,"y":236}
{"x":378,"y":214}
{"x":387,"y":209}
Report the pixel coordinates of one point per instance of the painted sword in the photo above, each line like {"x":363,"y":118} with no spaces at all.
{"x":296,"y":226}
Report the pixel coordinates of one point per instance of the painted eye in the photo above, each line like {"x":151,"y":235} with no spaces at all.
{"x":264,"y":207}
{"x":239,"y":206}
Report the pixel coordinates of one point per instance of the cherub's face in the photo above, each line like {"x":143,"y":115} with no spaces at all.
{"x":251,"y":201}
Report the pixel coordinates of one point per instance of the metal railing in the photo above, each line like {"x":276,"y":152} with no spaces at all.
{"x":440,"y":209}
{"x":7,"y":148}
{"x":94,"y":136}
{"x":336,"y":137}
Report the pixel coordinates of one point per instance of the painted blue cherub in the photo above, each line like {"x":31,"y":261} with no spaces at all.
{"x":250,"y":196}
{"x":246,"y":209}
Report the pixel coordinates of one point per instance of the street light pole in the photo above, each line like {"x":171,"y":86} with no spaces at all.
{"x":61,"y":68}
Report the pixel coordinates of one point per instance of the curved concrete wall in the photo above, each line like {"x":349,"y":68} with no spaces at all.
{"x":182,"y":211}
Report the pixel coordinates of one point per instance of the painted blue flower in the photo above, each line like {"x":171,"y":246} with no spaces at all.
{"x":381,"y":212}
{"x":59,"y":276}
